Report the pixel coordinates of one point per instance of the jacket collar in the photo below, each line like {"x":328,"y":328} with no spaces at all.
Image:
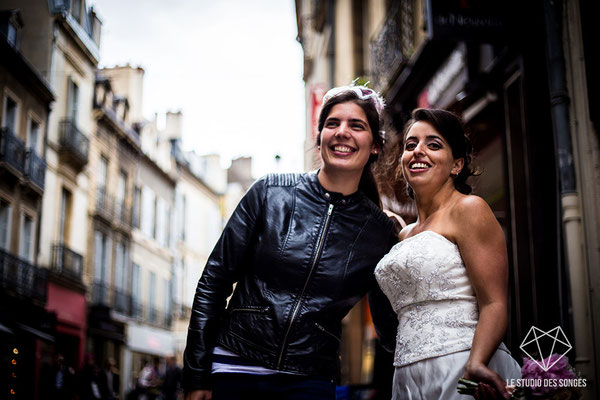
{"x":329,"y":196}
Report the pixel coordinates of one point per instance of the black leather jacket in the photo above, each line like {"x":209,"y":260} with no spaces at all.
{"x":301,"y":257}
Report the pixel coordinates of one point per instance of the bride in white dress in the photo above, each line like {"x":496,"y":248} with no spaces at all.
{"x":447,"y":277}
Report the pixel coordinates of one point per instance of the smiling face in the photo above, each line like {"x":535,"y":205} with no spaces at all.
{"x":427,"y":157}
{"x":346,"y":139}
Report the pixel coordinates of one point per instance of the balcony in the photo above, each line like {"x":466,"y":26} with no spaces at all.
{"x":67,"y":263}
{"x":158,"y":317}
{"x":74,"y":145}
{"x":122,"y":213}
{"x":21,"y":278}
{"x":101,"y":292}
{"x":104,"y":204}
{"x":12,"y":152}
{"x":122,"y":303}
{"x":386,"y":50}
{"x":35,"y":169}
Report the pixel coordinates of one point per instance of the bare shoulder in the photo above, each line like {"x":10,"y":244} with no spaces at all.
{"x":471,"y":209}
{"x":405,"y":232}
{"x":472,"y":216}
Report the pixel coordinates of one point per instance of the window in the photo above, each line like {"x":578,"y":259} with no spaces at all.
{"x":12,"y":35}
{"x":5,"y":217}
{"x":148,"y":211}
{"x":65,"y":212}
{"x":102,"y":173}
{"x":33,"y":136}
{"x":10,"y":115}
{"x":183,"y":212}
{"x":26,"y":241}
{"x":101,"y":257}
{"x":162,"y":222}
{"x":76,"y":10}
{"x":121,"y":256}
{"x":136,"y":292}
{"x":137,"y":198}
{"x":152,"y":297}
{"x":136,"y":286}
{"x":167,"y":297}
{"x":122,"y":187}
{"x":72,"y":101}
{"x":121,"y":194}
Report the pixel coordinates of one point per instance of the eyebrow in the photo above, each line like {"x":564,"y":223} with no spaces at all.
{"x":351,"y":119}
{"x":426,"y":137}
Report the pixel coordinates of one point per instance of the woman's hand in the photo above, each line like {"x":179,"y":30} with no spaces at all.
{"x":199,"y":395}
{"x":491,"y":386}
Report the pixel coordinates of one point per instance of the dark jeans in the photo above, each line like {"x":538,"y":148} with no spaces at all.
{"x":272,"y":387}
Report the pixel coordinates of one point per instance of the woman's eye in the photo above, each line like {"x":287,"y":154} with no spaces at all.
{"x":358,"y":126}
{"x":330,"y":124}
{"x":410,"y":146}
{"x":434,"y":146}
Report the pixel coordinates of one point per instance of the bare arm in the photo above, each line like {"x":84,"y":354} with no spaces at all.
{"x":483,"y":249}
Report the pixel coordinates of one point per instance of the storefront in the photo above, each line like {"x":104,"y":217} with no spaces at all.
{"x":144,"y":343}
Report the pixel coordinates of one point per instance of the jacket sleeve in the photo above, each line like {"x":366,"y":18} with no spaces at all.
{"x":216,"y":285}
{"x":384,"y":317}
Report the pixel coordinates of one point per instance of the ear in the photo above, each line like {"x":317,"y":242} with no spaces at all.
{"x":375,"y":149}
{"x":458,"y":166}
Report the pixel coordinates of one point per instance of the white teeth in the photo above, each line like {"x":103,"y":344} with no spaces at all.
{"x":343,"y":149}
{"x":419,"y":165}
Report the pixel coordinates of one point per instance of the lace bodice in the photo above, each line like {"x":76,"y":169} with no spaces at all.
{"x":426,"y":282}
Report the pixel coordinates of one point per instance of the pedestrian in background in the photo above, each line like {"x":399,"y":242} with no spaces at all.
{"x":112,"y":379}
{"x":302,"y":249}
{"x":171,"y":383}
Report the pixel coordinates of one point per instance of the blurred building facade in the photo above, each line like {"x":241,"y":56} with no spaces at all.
{"x":61,"y":43}
{"x":529,"y":97}
{"x":105,"y":222}
{"x":25,"y":102}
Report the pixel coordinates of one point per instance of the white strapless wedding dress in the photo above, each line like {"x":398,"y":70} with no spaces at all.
{"x":425,"y":279}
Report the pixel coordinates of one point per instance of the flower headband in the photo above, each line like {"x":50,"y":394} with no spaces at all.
{"x":362,"y":92}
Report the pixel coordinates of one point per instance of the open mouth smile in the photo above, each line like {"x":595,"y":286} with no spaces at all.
{"x":340,"y":148}
{"x":418,"y":166}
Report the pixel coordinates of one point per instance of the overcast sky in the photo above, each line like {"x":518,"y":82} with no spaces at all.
{"x":233,"y":67}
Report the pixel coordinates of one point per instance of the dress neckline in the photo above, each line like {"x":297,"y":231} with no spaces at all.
{"x":431,"y":232}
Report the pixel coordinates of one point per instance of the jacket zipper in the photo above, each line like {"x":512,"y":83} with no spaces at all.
{"x":250,"y":309}
{"x":322,"y":329}
{"x":312,"y":268}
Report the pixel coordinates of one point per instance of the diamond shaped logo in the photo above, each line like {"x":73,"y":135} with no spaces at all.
{"x":545,"y":344}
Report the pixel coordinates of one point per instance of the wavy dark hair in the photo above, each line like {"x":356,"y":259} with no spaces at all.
{"x":367,"y":183}
{"x":451,"y":127}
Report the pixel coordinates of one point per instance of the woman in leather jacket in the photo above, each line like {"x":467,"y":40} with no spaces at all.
{"x":301,"y":250}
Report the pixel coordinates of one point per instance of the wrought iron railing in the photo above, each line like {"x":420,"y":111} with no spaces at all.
{"x":122,"y":212}
{"x":73,"y":142}
{"x":104,"y":203}
{"x":66,"y":262}
{"x":35,"y":168}
{"x":12,"y":150}
{"x":101,"y":293}
{"x":386,"y":49}
{"x":122,"y":302}
{"x":23,"y":278}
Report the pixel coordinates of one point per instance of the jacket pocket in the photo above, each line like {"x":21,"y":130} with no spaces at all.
{"x":250,"y":309}
{"x":322,"y":329}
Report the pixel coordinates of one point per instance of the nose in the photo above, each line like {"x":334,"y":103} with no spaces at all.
{"x":343,"y":130}
{"x":420,"y":149}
